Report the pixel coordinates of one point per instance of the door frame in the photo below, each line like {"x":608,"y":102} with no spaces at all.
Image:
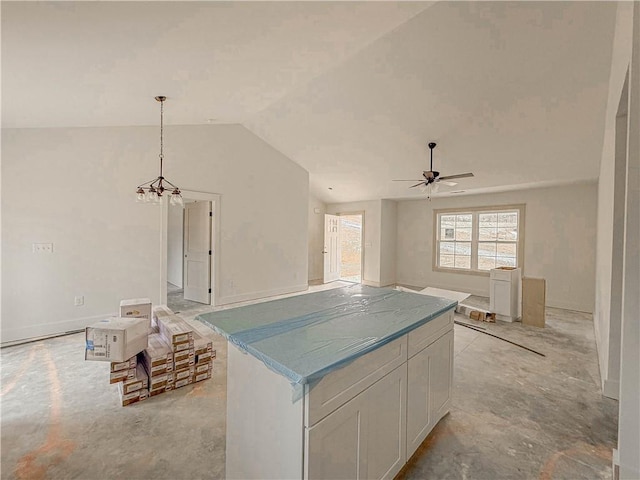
{"x":214,"y":198}
{"x":361,"y":213}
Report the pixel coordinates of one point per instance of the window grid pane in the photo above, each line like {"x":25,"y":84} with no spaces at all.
{"x":493,"y":243}
{"x":455,"y":236}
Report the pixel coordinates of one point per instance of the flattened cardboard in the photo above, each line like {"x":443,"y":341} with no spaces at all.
{"x":533,"y":301}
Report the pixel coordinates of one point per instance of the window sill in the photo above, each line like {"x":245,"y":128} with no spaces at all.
{"x":478,"y":273}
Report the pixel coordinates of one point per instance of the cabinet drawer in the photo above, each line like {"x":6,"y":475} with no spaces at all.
{"x":338,"y":387}
{"x":428,"y":333}
{"x":502,"y":275}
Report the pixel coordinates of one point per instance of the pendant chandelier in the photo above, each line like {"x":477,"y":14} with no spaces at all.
{"x":152,"y":191}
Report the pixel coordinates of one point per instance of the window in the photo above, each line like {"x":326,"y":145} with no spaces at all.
{"x":478,"y":239}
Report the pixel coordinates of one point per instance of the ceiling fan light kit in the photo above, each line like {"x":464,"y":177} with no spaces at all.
{"x":152,"y":191}
{"x":432,"y":178}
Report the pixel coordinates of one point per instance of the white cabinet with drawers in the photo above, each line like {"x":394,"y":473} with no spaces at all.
{"x":504,"y":293}
{"x":364,"y":420}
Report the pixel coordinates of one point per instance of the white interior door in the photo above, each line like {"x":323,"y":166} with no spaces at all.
{"x":331,"y":251}
{"x":197,"y":251}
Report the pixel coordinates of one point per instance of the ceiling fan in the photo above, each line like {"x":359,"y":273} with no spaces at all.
{"x":433,"y":177}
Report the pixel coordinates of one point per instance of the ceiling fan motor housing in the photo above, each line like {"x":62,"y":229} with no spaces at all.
{"x":430,"y":176}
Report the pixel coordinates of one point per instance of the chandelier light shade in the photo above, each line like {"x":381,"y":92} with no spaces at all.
{"x":153,"y":190}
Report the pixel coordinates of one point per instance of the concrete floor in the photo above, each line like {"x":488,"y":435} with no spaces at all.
{"x":515,"y":415}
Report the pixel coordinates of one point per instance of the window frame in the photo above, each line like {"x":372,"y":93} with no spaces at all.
{"x":475,"y":212}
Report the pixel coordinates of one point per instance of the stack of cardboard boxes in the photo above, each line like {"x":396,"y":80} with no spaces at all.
{"x":151,"y":351}
{"x":192,"y":354}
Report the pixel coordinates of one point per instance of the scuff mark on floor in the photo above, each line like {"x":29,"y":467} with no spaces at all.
{"x":7,"y":387}
{"x":35,"y":464}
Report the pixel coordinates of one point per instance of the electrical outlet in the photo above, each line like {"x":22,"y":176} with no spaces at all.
{"x":79,"y":301}
{"x":42,"y":248}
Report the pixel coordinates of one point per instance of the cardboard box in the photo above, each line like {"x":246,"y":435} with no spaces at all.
{"x":144,"y":394}
{"x":179,"y":375}
{"x":128,"y":398}
{"x":182,"y":346}
{"x":183,"y":382}
{"x":202,"y":376}
{"x":184,"y":354}
{"x":140,"y":381}
{"x":201,"y":344}
{"x":203,"y":367}
{"x":126,"y":365}
{"x":205,"y":357}
{"x":157,"y":353}
{"x":161,"y":311}
{"x":136,"y":308}
{"x":116,"y":339}
{"x":477,"y":315}
{"x":186,"y":362}
{"x":158,"y":391}
{"x":175,"y":330}
{"x":158,"y":382}
{"x":122,"y":375}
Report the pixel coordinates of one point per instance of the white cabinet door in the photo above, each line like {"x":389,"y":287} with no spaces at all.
{"x":500,"y":297}
{"x":365,"y":438}
{"x":336,"y":446}
{"x":441,"y":377}
{"x":387,"y":442}
{"x":429,"y":380}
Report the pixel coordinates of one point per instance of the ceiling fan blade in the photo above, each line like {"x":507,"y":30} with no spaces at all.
{"x":414,"y":180}
{"x":460,"y":175}
{"x":447,"y":183}
{"x":417,"y":184}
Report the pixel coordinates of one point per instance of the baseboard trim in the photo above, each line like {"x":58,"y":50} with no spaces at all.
{"x":12,"y":336}
{"x":262,"y":294}
{"x":370,"y":283}
{"x":611,"y":389}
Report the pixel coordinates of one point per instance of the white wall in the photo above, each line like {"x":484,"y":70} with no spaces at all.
{"x":371,"y":242}
{"x":388,"y":239}
{"x":175,"y":240}
{"x":74,"y":187}
{"x":607,"y":314}
{"x":316,"y":237}
{"x":559,"y":242}
{"x":629,"y":406}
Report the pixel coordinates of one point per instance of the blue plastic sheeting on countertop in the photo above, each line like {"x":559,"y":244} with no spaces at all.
{"x":307,"y":336}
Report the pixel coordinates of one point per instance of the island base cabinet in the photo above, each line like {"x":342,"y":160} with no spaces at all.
{"x":430,"y":375}
{"x":365,"y":438}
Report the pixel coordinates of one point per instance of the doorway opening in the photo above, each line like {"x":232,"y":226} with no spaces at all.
{"x":190,"y":239}
{"x":351,"y":247}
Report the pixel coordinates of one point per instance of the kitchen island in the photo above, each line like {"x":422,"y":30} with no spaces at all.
{"x":344,"y":383}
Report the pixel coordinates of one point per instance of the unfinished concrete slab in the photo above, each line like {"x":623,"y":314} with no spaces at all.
{"x":515,"y":414}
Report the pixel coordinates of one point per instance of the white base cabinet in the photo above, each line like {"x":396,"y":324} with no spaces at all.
{"x":362,"y":421}
{"x":505,"y":291}
{"x":429,"y":395}
{"x":365,"y":437}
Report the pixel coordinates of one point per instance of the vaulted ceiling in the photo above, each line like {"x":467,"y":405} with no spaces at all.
{"x":514,"y":92}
